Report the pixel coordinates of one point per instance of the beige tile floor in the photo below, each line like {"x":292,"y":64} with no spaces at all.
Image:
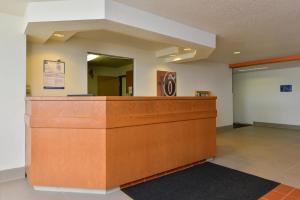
{"x":270,"y":153}
{"x":266,"y":152}
{"x":20,"y":190}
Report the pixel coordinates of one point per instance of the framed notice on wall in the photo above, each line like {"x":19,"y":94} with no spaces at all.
{"x":286,"y":88}
{"x":54,"y":75}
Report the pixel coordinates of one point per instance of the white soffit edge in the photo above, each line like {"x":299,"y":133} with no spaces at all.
{"x":167,"y":52}
{"x":42,"y":19}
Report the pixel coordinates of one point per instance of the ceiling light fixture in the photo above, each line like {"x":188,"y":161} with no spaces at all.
{"x":91,"y":57}
{"x":59,"y":35}
{"x":236,"y":52}
{"x":252,"y":69}
{"x":177,"y":59}
{"x":187,"y":49}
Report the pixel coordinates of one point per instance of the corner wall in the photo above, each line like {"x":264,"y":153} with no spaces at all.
{"x":12,"y":87}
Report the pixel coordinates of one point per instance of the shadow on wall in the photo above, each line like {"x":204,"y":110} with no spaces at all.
{"x":241,"y":125}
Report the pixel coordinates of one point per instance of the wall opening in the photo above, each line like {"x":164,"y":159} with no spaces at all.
{"x":109,"y":75}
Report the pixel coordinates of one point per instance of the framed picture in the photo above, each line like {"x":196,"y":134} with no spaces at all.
{"x":286,"y":88}
{"x":166,"y":83}
{"x":54,"y":74}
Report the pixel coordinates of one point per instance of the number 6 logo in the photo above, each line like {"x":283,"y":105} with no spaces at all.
{"x":169,"y":84}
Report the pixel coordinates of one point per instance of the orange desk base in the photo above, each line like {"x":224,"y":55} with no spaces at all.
{"x":106,"y":142}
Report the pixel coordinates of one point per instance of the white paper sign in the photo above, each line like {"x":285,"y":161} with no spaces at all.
{"x":54,"y":75}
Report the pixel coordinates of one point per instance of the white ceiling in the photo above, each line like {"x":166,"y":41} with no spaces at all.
{"x":257,"y":28}
{"x":45,"y":18}
{"x":16,"y":7}
{"x":13,"y":7}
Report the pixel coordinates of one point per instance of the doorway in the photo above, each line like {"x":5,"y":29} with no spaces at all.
{"x":110,"y":75}
{"x":108,"y":86}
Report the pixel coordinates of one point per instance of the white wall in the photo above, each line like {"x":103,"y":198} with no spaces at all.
{"x":12,"y":87}
{"x":193,"y":76}
{"x":257,"y":96}
{"x":215,"y":77}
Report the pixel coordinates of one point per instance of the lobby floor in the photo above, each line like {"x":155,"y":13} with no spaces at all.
{"x":270,"y":153}
{"x":20,"y":190}
{"x":266,"y":152}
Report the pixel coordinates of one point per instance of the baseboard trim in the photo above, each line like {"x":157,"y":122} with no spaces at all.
{"x":12,"y":174}
{"x":75,"y":190}
{"x":224,"y":128}
{"x":275,"y":125}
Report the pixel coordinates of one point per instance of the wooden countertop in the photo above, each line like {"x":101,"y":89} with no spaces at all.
{"x":116,"y":98}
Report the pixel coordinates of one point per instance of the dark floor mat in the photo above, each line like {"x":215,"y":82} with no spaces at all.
{"x":207,"y":181}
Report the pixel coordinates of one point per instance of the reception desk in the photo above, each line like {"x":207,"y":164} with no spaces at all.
{"x":101,"y":143}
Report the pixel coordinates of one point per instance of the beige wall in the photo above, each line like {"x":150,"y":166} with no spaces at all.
{"x":216,"y":77}
{"x":73,"y":53}
{"x":75,"y":71}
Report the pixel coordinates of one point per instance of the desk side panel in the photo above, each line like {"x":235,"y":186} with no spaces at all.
{"x":138,"y":152}
{"x":145,"y":138}
{"x":69,"y":158}
{"x":66,"y":143}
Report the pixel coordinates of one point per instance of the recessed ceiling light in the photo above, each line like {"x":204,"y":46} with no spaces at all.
{"x":177,"y":59}
{"x":187,"y":49}
{"x":236,"y":52}
{"x":92,"y":57}
{"x":59,"y":35}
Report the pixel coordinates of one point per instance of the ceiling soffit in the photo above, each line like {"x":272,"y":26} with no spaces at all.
{"x":83,"y":15}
